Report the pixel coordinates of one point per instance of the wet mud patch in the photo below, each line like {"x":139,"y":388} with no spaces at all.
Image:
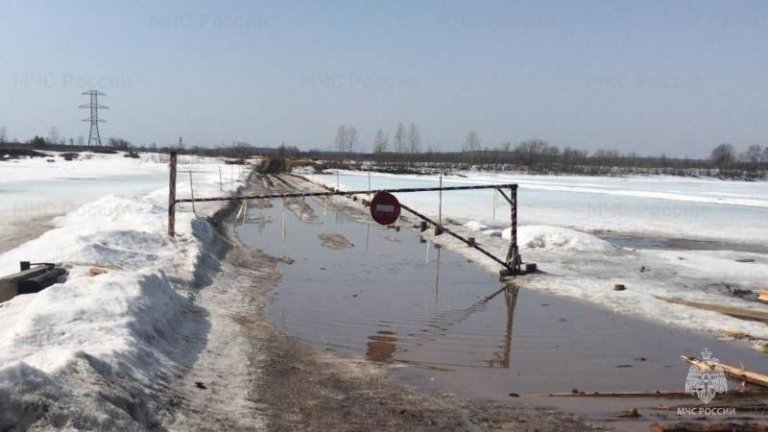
{"x":335,"y":241}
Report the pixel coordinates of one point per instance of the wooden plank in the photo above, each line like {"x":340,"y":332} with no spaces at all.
{"x":735,"y":372}
{"x":763,"y":295}
{"x":747,"y":314}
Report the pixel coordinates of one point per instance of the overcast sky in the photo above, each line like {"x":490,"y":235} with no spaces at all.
{"x":647,"y":76}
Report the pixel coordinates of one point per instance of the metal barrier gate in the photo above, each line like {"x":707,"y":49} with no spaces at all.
{"x":512,"y":264}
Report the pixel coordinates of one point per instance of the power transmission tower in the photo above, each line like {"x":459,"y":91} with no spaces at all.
{"x":93,"y":136}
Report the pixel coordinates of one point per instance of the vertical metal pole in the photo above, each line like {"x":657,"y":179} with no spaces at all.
{"x":221,"y":183}
{"x":513,"y":196}
{"x":192,"y":192}
{"x":494,"y":205}
{"x":513,"y":254}
{"x":440,"y":204}
{"x":172,"y":196}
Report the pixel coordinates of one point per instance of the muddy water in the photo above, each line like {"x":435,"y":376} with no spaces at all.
{"x":386,"y":295}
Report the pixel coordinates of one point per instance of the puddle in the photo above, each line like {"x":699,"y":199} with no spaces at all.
{"x":392,"y":298}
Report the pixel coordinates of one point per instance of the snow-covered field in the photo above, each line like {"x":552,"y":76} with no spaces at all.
{"x":563,"y":217}
{"x":117,"y":315}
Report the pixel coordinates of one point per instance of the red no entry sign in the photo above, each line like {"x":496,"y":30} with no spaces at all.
{"x":385,"y":209}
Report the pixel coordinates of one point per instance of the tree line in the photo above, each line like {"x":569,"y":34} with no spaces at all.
{"x":403,"y":140}
{"x":404,"y":151}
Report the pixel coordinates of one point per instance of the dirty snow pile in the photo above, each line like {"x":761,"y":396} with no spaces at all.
{"x":90,"y":352}
{"x":556,"y":238}
{"x":664,"y":238}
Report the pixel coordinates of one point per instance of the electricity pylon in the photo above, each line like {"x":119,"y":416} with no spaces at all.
{"x":93,"y":136}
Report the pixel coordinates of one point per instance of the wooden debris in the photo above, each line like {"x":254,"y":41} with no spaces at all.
{"x":745,"y":260}
{"x":737,"y":335}
{"x":741,"y":313}
{"x":735,"y":372}
{"x":763,"y":295}
{"x":630,"y":413}
{"x":738,"y":292}
{"x":95,"y":271}
{"x":628,"y":394}
{"x":762,"y":345}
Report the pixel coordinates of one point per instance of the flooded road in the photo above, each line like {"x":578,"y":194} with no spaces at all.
{"x":387,"y":295}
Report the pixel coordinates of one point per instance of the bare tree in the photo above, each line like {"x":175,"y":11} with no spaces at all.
{"x":723,"y":155}
{"x":80,"y":141}
{"x":380,"y":142}
{"x":119,"y":143}
{"x":573,"y":157}
{"x":399,"y":139}
{"x":764,"y":156}
{"x":752,"y":154}
{"x":341,"y":139}
{"x":353,"y":139}
{"x":414,"y":139}
{"x":472,"y":143}
{"x":536,"y":150}
{"x":2,"y":134}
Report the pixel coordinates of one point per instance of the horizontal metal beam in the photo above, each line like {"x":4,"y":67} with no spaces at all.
{"x":332,"y":193}
{"x":456,"y":236}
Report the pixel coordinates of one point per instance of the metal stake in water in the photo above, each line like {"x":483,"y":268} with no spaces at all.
{"x":192,"y":192}
{"x":440,"y":203}
{"x":495,"y":198}
{"x":283,"y":231}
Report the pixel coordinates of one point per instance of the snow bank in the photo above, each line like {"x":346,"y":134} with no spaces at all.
{"x":123,"y":324}
{"x":546,"y":237}
{"x":476,"y":226}
{"x":556,"y":238}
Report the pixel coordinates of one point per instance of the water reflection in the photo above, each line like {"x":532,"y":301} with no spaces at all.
{"x":381,"y":346}
{"x":502,"y":359}
{"x":339,"y":297}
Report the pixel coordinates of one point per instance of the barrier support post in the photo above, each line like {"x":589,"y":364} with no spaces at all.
{"x":172,"y":196}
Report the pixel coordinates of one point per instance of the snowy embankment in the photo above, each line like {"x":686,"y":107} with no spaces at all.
{"x":96,"y":343}
{"x":35,"y":190}
{"x":560,"y":217}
